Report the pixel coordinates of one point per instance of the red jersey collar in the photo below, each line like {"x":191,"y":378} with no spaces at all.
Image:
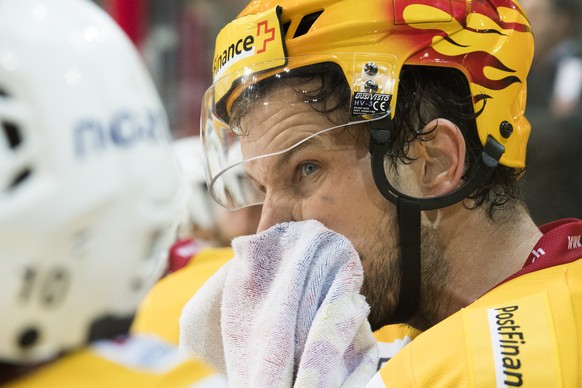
{"x":560,"y":244}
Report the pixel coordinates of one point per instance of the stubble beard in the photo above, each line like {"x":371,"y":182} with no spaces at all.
{"x":382,"y":274}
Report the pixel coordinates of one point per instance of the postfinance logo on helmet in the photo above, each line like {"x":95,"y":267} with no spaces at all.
{"x":249,"y":41}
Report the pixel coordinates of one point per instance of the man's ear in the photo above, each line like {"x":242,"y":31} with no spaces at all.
{"x":441,"y":154}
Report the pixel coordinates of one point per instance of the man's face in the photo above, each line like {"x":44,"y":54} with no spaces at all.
{"x":327,"y":178}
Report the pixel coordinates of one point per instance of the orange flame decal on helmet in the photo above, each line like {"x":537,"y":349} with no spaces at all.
{"x":490,"y":41}
{"x":469,"y":46}
{"x":488,"y":11}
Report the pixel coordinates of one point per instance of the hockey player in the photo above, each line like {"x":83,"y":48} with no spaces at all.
{"x":398,"y":125}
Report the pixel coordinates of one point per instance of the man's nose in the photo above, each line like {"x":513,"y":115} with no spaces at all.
{"x":276,"y":209}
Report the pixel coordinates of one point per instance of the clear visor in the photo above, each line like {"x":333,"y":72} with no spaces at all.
{"x":245,"y":106}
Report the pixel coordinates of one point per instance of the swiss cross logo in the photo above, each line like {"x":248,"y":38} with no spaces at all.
{"x":254,"y":42}
{"x":263,"y":29}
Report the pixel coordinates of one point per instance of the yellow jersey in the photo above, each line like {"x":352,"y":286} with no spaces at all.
{"x":136,"y":361}
{"x":149,"y":356}
{"x":526,"y":332}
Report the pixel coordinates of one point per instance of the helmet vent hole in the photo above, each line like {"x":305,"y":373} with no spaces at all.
{"x":28,"y":338}
{"x":306,"y":23}
{"x":3,"y":93}
{"x":12,"y":133}
{"x":286,"y":28}
{"x":20,"y":178}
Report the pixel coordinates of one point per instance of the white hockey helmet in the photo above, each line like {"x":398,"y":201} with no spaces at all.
{"x":87,"y":177}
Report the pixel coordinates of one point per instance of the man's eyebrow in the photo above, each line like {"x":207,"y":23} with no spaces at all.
{"x":285,"y":157}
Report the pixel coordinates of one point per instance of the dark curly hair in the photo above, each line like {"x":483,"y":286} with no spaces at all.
{"x":426,"y":93}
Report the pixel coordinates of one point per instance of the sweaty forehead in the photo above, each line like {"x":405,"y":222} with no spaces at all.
{"x":278,"y":120}
{"x":266,"y":92}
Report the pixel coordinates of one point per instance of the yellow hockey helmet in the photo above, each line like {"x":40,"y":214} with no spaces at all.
{"x":489,"y":41}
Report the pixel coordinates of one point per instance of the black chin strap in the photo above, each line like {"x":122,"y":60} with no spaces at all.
{"x":409,"y":209}
{"x":409,"y":233}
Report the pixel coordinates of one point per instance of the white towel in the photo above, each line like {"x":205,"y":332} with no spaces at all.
{"x":285,"y":311}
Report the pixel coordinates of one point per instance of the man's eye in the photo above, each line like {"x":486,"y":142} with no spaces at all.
{"x":309,"y":168}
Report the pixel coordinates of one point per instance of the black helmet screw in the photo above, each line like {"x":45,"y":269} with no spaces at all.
{"x":371,"y":86}
{"x":506,"y":129}
{"x":371,"y":68}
